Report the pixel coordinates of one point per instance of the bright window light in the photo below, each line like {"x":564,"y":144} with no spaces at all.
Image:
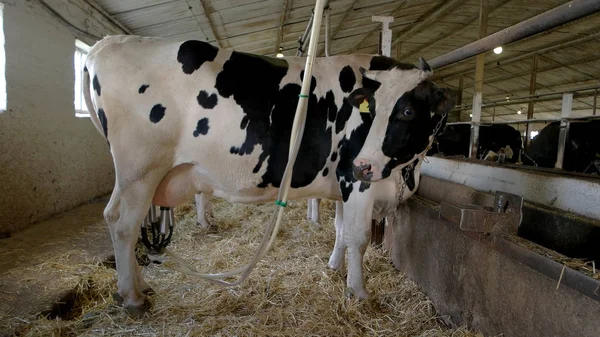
{"x":81,"y":51}
{"x":2,"y":62}
{"x":532,"y":134}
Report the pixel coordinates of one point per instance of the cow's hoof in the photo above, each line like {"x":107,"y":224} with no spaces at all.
{"x":335,"y":265}
{"x":118,"y":298}
{"x":203,"y":224}
{"x":139,"y":311}
{"x":362,"y":294}
{"x":149,"y":291}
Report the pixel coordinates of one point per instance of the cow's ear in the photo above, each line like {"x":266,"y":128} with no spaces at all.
{"x":443,"y":101}
{"x":360,"y":95}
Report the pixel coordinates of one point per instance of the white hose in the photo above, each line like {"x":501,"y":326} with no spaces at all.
{"x":282,"y":197}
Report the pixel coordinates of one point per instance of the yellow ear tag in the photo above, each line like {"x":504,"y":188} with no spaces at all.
{"x":364,"y":107}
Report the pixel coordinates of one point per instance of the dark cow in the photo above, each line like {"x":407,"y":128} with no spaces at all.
{"x":582,"y":150}
{"x":455,"y":139}
{"x":187,"y":117}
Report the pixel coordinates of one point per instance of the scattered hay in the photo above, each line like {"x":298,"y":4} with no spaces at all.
{"x":290,"y":293}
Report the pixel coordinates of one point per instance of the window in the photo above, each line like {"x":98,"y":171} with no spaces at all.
{"x":81,"y":51}
{"x":533,"y":134}
{"x":2,"y":62}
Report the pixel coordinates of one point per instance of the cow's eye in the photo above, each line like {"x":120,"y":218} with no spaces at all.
{"x":408,"y":112}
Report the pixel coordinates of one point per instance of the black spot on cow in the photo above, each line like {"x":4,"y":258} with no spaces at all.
{"x":346,"y":189}
{"x":328,"y":105}
{"x":192,"y":54}
{"x":313,"y":82}
{"x":334,"y":156}
{"x":103,"y":122}
{"x":143,"y":88}
{"x":206,"y":101}
{"x":343,"y":115}
{"x":202,"y":127}
{"x":350,"y":148}
{"x":326,"y":172}
{"x":244,"y":122}
{"x":253,"y":81}
{"x":383,"y":63}
{"x":157,"y":113}
{"x":315,"y":146}
{"x":363,"y":186}
{"x":96,"y":85}
{"x":347,"y":79}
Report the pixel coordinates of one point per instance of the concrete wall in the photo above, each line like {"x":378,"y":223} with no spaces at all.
{"x":50,"y":160}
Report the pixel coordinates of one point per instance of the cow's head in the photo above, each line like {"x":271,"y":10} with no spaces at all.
{"x":404,"y":103}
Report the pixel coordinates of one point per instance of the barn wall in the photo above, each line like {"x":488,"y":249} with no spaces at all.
{"x":50,"y":160}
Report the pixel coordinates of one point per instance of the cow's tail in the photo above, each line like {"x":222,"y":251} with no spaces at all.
{"x":87,"y":94}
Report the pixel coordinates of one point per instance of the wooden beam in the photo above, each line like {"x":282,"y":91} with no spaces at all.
{"x":287,"y":5}
{"x":531,"y":104}
{"x":460,"y":96}
{"x":453,"y":31}
{"x":208,"y":11}
{"x":428,"y":20}
{"x":479,"y":68}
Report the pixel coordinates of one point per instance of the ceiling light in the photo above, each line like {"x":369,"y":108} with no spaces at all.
{"x":498,"y":50}
{"x":519,"y":111}
{"x":280,"y":54}
{"x":471,"y":115}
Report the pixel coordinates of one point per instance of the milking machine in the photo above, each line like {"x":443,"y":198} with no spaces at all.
{"x":157,"y":230}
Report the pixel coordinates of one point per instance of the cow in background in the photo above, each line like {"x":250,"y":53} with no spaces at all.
{"x":582,"y":150}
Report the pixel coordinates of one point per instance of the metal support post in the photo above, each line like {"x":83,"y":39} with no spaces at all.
{"x":386,"y":34}
{"x":478,"y":96}
{"x":460,"y":95}
{"x":531,"y":104}
{"x":567,"y":106}
{"x":595,"y":102}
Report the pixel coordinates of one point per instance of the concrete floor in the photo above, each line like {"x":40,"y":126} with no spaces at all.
{"x":43,"y":262}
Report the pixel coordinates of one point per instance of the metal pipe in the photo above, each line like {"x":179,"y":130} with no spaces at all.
{"x":537,"y":98}
{"x":555,"y":17}
{"x":526,"y":121}
{"x":595,"y":102}
{"x":567,"y":106}
{"x":305,"y":38}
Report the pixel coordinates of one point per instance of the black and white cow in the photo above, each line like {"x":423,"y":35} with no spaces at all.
{"x":582,"y":150}
{"x":186,"y":117}
{"x":455,"y":140}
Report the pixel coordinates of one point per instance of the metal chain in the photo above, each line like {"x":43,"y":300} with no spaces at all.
{"x":421,"y":155}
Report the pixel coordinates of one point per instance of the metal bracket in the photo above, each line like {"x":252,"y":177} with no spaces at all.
{"x":504,"y":217}
{"x":386,"y":33}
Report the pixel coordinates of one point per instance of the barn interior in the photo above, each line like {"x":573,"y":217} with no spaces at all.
{"x":435,"y":275}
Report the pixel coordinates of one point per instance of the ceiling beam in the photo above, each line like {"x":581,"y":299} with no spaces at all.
{"x":394,"y":13}
{"x":208,"y":11}
{"x":338,"y":27}
{"x":511,"y":76}
{"x":428,"y":20}
{"x":464,"y":26}
{"x":545,"y":49}
{"x":287,"y":5}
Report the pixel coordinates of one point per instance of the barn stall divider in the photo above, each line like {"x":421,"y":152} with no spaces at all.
{"x":502,"y":249}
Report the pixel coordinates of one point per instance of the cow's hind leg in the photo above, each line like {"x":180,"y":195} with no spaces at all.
{"x":124,"y":213}
{"x":336,"y":260}
{"x":203,"y":209}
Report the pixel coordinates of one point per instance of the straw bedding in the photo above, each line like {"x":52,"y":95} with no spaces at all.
{"x":290,"y":293}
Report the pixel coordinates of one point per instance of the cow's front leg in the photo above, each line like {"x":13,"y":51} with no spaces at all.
{"x":336,"y":260}
{"x":358,"y":211}
{"x":203,"y":209}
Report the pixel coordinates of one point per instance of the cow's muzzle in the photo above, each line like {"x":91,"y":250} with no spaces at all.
{"x":362,"y":171}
